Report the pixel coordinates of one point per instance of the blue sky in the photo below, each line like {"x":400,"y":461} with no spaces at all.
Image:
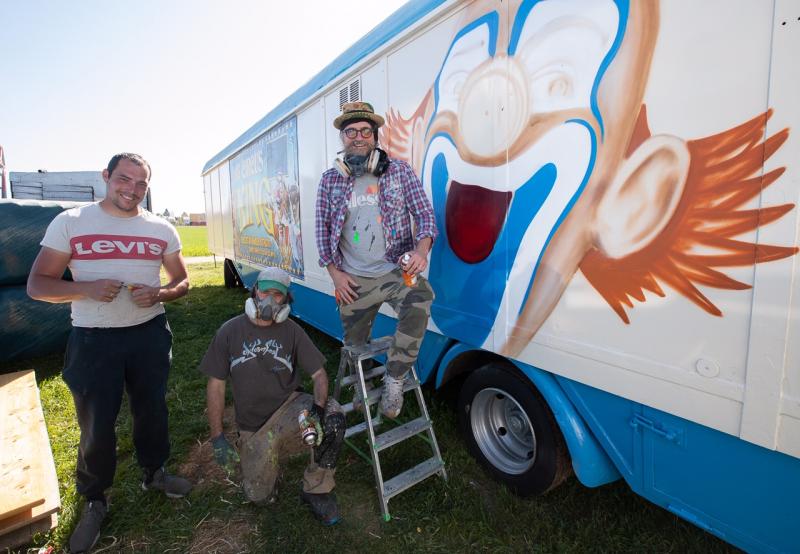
{"x":175,"y":81}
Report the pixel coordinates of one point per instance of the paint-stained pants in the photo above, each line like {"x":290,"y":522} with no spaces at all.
{"x":412,"y":305}
{"x":263,"y":451}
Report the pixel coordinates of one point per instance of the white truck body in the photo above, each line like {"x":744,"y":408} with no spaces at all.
{"x":641,"y":164}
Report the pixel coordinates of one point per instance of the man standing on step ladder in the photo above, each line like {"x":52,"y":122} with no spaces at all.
{"x":365,"y":205}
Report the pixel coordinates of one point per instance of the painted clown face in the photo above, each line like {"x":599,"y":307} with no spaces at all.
{"x":534,"y":144}
{"x":514,"y":134}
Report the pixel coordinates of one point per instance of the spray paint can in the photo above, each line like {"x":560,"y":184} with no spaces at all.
{"x":408,"y":278}
{"x":308,"y":431}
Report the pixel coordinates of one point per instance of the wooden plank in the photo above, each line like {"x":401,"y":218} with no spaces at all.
{"x":20,"y":488}
{"x":25,"y":534}
{"x":18,"y":509}
{"x":28,"y":482}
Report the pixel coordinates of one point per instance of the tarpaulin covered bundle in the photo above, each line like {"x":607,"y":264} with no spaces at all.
{"x":31,"y":328}
{"x":22,"y":226}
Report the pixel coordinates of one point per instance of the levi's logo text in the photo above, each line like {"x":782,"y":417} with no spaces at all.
{"x":116,"y":247}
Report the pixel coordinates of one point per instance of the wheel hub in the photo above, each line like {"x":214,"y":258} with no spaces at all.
{"x":503,"y":431}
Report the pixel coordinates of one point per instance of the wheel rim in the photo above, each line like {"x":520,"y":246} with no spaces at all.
{"x":503,"y":431}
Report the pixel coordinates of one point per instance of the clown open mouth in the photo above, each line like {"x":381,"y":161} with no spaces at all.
{"x":474,"y":218}
{"x":495,"y":232}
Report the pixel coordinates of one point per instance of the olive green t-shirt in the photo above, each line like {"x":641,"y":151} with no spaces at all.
{"x":263,"y":365}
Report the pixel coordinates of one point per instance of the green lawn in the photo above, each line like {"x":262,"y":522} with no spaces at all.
{"x":194,"y":240}
{"x":468,"y":513}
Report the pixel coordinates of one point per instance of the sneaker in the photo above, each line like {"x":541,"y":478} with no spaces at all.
{"x":87,"y":532}
{"x":171,"y":485}
{"x":323,"y":506}
{"x":392,"y":396}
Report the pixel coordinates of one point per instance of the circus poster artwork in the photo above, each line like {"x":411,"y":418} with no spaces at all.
{"x":266,"y":201}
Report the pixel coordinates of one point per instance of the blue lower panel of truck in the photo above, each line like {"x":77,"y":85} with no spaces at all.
{"x":743,"y":493}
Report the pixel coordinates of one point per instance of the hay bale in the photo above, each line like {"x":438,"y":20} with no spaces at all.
{"x":31,"y":328}
{"x":22,"y":226}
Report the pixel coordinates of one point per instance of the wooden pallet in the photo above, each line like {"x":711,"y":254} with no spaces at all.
{"x":29,"y":497}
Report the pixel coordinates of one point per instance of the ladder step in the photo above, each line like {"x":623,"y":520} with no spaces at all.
{"x":355,"y":429}
{"x":401,"y":432}
{"x":410,"y":477}
{"x":375,"y":347}
{"x":374,"y":395}
{"x":371,"y":374}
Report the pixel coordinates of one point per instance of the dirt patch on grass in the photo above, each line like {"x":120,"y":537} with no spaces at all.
{"x":363,"y":512}
{"x":201,"y":468}
{"x":215,"y":536}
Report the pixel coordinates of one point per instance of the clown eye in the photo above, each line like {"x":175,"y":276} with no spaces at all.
{"x":454,"y":84}
{"x":552,"y":86}
{"x":561,"y":47}
{"x":560,"y":86}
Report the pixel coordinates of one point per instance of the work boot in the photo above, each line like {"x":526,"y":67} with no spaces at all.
{"x":87,"y":532}
{"x":171,"y":485}
{"x":323,"y":506}
{"x":392,"y":396}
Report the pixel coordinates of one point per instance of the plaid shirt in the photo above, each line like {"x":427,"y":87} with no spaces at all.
{"x":400,"y":197}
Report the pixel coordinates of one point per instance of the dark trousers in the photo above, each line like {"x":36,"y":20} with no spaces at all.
{"x":98,"y":365}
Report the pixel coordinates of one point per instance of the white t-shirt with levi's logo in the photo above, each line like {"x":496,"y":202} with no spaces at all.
{"x":102,"y":246}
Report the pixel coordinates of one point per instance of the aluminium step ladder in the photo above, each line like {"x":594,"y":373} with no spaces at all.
{"x":352,"y":373}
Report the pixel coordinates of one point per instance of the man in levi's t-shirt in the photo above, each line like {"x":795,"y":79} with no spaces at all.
{"x":120,"y":339}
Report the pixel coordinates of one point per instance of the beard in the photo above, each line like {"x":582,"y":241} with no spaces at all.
{"x":357,"y":148}
{"x":356,"y":158}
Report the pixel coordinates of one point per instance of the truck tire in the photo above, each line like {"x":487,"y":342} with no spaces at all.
{"x":230,"y":275}
{"x":510,"y":430}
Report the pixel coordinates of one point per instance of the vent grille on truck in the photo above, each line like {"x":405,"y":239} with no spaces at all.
{"x":350,"y":93}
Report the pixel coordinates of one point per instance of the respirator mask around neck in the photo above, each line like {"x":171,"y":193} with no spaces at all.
{"x":266,"y":309}
{"x":357,"y":164}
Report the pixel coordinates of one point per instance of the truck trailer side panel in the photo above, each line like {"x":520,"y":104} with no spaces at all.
{"x":616,"y":187}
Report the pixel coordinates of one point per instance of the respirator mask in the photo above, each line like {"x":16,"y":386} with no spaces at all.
{"x":357,"y":165}
{"x":266,"y":308}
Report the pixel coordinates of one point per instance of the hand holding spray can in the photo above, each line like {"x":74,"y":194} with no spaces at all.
{"x":308,"y":430}
{"x":409,"y":279}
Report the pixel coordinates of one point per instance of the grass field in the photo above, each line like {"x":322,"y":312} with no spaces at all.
{"x":468,"y":513}
{"x":194,"y":240}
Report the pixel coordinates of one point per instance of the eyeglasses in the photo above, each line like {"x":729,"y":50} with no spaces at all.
{"x":351,"y":133}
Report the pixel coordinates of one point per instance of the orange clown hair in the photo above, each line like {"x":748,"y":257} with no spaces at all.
{"x":724,"y":174}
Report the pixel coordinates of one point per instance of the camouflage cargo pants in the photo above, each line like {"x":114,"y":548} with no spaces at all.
{"x":263,"y":451}
{"x":412,"y":305}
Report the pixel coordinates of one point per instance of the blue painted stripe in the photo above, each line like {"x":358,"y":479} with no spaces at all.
{"x":519,"y":23}
{"x":380,"y":35}
{"x":624,"y":9}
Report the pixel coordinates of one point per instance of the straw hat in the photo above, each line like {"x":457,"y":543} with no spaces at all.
{"x":357,"y":111}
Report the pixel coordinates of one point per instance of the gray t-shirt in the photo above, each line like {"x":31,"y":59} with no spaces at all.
{"x":363,"y":245}
{"x":263,"y":364}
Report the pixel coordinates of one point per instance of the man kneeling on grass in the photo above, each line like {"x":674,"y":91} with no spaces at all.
{"x":263,"y":353}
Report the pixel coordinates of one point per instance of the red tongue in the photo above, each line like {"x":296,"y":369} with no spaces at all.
{"x":474,"y":217}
